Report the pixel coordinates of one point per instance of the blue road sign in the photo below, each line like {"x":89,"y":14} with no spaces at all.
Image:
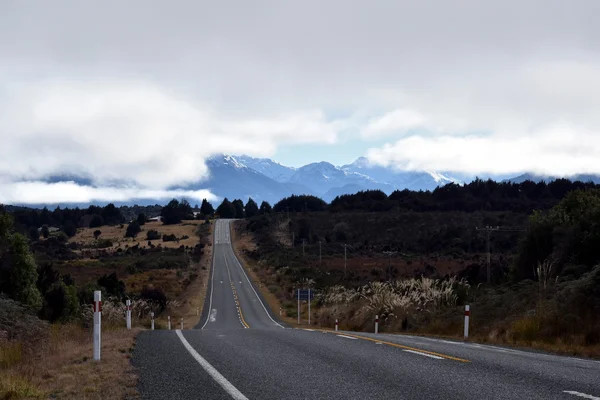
{"x":305,"y":294}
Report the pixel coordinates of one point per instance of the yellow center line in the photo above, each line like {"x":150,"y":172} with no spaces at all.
{"x":400,"y":346}
{"x":242,"y":317}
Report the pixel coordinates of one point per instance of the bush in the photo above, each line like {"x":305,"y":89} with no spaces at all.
{"x":169,"y":238}
{"x":155,"y":295}
{"x":97,"y":233}
{"x":61,"y":237}
{"x":60,"y":303}
{"x":22,"y":325}
{"x":104,"y":243}
{"x":70,"y":229}
{"x":133,"y":229}
{"x":153,"y":234}
{"x":112,"y":284}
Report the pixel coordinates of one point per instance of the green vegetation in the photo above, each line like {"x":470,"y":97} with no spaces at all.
{"x":226,"y":209}
{"x":176,"y":211}
{"x":133,"y":229}
{"x":416,"y":259}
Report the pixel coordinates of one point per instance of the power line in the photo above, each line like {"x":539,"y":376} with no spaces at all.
{"x":488,"y":230}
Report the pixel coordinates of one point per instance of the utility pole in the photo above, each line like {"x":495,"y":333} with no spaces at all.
{"x":293,"y":239}
{"x":488,"y":231}
{"x":345,"y":246}
{"x":390,"y":254}
{"x":319,"y":252}
{"x":302,"y":247}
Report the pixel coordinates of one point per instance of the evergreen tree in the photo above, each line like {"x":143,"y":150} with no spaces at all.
{"x":206,"y":208}
{"x":251,"y":208}
{"x":18,"y":272}
{"x":265,"y":208}
{"x":226,"y":209}
{"x":239,"y":208}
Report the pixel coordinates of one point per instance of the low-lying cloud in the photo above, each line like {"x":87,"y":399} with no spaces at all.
{"x":71,"y":192}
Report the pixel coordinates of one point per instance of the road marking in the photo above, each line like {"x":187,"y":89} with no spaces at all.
{"x":310,"y":330}
{"x":220,"y":379}
{"x":242,"y":317}
{"x":347,"y":337}
{"x":213,"y":315}
{"x":400,"y":346}
{"x":212,"y":283}
{"x":424,"y":354}
{"x":585,"y":396}
{"x":252,"y":287}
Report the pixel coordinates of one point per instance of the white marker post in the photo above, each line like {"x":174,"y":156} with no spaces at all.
{"x":336,"y":325}
{"x":97,"y":323}
{"x":467,"y":315}
{"x":181,"y":322}
{"x":197,"y":310}
{"x":128,"y":304}
{"x":377,"y":324}
{"x":298,"y":292}
{"x":169,"y":322}
{"x":152,"y":321}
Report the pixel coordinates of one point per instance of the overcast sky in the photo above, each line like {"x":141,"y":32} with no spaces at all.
{"x":143,"y":91}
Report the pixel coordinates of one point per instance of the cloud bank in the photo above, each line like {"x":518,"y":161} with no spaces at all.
{"x":139,"y":94}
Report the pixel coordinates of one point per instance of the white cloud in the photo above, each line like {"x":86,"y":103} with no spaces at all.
{"x":144,"y":91}
{"x":70,"y":192}
{"x":559,"y":150}
{"x":134,"y":132}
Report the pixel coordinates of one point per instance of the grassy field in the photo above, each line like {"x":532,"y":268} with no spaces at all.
{"x":65,"y":349}
{"x":116,"y":234}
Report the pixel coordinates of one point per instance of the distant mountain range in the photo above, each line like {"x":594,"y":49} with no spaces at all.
{"x":264,"y":179}
{"x":241,"y":177}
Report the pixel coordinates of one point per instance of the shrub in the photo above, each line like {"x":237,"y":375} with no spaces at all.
{"x":104,"y":243}
{"x":97,"y":233}
{"x":169,"y":238}
{"x":60,"y":303}
{"x":153,"y":234}
{"x":133,"y":229}
{"x":112,"y":284}
{"x":155,"y":295}
{"x":22,"y":325}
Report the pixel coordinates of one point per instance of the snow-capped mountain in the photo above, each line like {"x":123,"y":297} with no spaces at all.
{"x":322,"y":177}
{"x":268,"y":167}
{"x":412,"y":180}
{"x":265,"y":179}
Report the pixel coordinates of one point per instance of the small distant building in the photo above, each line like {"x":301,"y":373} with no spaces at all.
{"x":157,"y":219}
{"x":51,"y":229}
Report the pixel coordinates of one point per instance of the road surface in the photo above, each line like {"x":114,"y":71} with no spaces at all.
{"x":240,"y":351}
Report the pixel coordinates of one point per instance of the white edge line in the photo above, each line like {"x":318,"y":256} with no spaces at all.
{"x":251,"y":286}
{"x":347,"y":337}
{"x":212,"y":275}
{"x":424,"y":354}
{"x":220,"y":379}
{"x":585,"y":396}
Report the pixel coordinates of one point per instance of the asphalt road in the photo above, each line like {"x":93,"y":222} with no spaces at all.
{"x":240,"y":352}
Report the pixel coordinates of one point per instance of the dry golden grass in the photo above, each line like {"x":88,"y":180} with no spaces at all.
{"x":116,"y":234}
{"x":65,"y":368}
